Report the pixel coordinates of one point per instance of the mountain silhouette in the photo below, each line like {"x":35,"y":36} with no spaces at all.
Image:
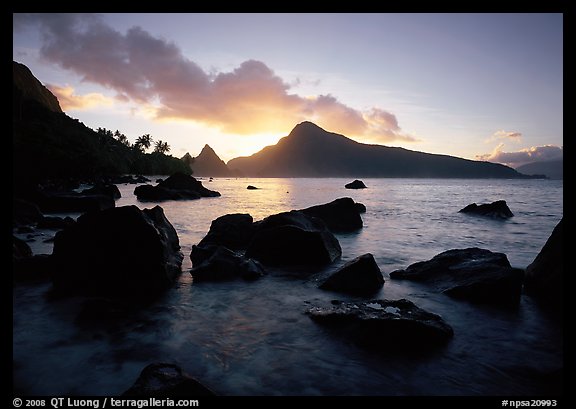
{"x":554,"y":169}
{"x":209,"y":164}
{"x":31,"y":89}
{"x":310,"y":151}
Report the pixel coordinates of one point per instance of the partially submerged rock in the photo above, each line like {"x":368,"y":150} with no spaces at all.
{"x":359,"y":276}
{"x":72,"y":202}
{"x":250,"y":187}
{"x":221,"y":264}
{"x":166,"y":380}
{"x":104,"y":189}
{"x":473,"y":274}
{"x":340,"y":215}
{"x":231,"y":230}
{"x":177,"y":187}
{"x":498,"y":210}
{"x":124,"y":252}
{"x":379,"y":323}
{"x":356,"y":184}
{"x":545,"y":275}
{"x":293,"y":239}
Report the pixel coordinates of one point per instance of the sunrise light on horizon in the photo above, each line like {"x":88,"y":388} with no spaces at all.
{"x":478,"y":86}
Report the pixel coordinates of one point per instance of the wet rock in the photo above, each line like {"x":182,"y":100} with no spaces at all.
{"x":223,"y":264}
{"x":496,"y":210}
{"x":293,"y":239}
{"x":359,"y":276}
{"x":103,"y":189}
{"x":177,"y":187}
{"x":55,"y":223}
{"x":124,"y":252}
{"x":340,"y":215}
{"x":379,"y":323}
{"x":360,"y":207}
{"x":356,"y":184}
{"x":166,"y":380}
{"x":250,"y":187}
{"x":231,"y":230}
{"x":473,"y":274}
{"x":545,"y":275}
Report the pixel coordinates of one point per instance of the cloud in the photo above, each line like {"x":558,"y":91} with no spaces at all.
{"x":509,"y":135}
{"x":150,"y":70}
{"x":70,"y":101}
{"x":526,"y":155}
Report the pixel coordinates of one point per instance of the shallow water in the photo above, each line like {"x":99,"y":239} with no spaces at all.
{"x":253,"y":338}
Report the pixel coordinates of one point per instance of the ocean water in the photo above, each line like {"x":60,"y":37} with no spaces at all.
{"x":253,"y":338}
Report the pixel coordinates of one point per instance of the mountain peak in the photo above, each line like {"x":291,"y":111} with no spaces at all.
{"x":208,"y":163}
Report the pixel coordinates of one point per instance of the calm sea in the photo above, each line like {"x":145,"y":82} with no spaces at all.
{"x":252,"y":338}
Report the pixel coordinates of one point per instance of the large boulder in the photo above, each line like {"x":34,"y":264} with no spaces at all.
{"x":293,"y":239}
{"x":20,"y":249}
{"x":124,"y":252}
{"x":356,"y":184}
{"x":177,"y":187}
{"x":340,"y":215}
{"x":104,"y":189}
{"x":497,"y":210}
{"x":399,"y":324}
{"x":166,"y":380}
{"x":359,"y":276}
{"x":474,"y":274}
{"x":545,"y":275}
{"x":222,"y":264}
{"x":231,"y":230}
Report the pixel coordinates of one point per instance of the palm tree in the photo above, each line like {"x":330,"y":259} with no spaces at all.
{"x":161,"y":147}
{"x":120,"y":137}
{"x":143,"y":142}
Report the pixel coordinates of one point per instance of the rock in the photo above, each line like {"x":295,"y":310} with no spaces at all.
{"x":357,"y":184}
{"x":34,"y":268}
{"x":106,"y":190}
{"x":177,"y":187}
{"x":340,"y":215}
{"x":497,"y":210}
{"x":250,"y":187}
{"x":149,"y":193}
{"x":24,"y":212}
{"x":166,"y":380}
{"x":473,"y":274}
{"x":55,"y":223}
{"x":545,"y":275}
{"x":293,"y":239}
{"x":20,"y":249}
{"x":359,"y":276}
{"x":224,"y":264}
{"x":360,"y":207}
{"x":73,"y":202}
{"x":123,"y":252}
{"x":379,"y":323}
{"x":160,"y":180}
{"x":231,"y":230}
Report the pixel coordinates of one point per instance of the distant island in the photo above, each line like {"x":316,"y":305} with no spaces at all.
{"x":48,"y":144}
{"x":310,"y":151}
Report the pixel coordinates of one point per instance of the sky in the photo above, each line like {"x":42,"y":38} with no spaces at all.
{"x":477,"y":86}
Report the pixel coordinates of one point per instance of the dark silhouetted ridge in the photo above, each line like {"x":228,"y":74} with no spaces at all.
{"x":209,"y":164}
{"x":310,"y":151}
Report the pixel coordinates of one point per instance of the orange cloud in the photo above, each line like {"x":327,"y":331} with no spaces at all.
{"x":250,"y":99}
{"x":70,"y":101}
